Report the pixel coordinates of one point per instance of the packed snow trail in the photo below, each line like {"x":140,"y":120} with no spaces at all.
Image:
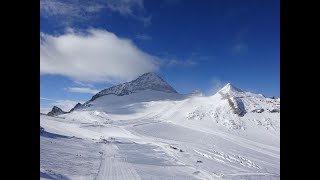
{"x":163,"y":135}
{"x":115,"y":167}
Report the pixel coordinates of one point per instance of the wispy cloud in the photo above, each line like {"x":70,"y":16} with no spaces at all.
{"x":188,"y":59}
{"x":93,"y":56}
{"x":215,"y":85}
{"x":130,"y":8}
{"x":47,"y":99}
{"x":125,"y":7}
{"x":84,"y":84}
{"x":143,"y":37}
{"x":82,"y":90}
{"x":175,"y":62}
{"x":70,"y":11}
{"x":240,"y":48}
{"x":65,"y":105}
{"x":240,"y":45}
{"x":145,"y":19}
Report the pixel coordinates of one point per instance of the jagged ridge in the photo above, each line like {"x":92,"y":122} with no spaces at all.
{"x":77,"y":106}
{"x":147,"y":81}
{"x":56,"y":111}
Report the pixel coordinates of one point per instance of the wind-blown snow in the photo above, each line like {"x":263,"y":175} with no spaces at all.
{"x":159,"y":134}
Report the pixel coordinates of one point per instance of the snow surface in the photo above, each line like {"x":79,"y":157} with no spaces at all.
{"x":154,"y":134}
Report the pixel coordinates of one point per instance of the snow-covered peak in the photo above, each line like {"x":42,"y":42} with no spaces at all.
{"x":150,"y":81}
{"x":147,"y":81}
{"x":149,"y":77}
{"x":229,"y":89}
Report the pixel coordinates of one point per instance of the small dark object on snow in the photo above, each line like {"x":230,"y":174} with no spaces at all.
{"x":274,"y":110}
{"x":199,"y":161}
{"x":181,"y":150}
{"x":173,"y":147}
{"x":41,"y":130}
{"x":258,"y":110}
{"x":105,"y":141}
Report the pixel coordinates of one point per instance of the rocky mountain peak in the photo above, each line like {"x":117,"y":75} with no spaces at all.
{"x":147,"y":81}
{"x":56,"y":111}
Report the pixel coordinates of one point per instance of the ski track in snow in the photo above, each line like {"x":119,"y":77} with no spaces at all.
{"x":155,"y":139}
{"x":114,"y":167}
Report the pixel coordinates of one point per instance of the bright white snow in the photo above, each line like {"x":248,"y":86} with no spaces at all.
{"x":158,"y":135}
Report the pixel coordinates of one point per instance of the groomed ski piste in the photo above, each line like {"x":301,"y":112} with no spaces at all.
{"x":156,"y":134}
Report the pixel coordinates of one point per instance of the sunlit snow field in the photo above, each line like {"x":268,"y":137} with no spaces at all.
{"x":158,"y":135}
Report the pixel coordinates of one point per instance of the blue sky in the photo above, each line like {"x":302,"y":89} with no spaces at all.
{"x":86,"y":46}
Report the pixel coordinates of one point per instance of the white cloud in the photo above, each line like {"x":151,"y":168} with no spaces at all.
{"x":82,"y":90}
{"x":93,"y":56}
{"x":45,"y":110}
{"x":65,"y":105}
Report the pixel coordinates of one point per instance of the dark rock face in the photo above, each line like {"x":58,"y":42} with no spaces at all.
{"x":55,"y":111}
{"x":77,"y":106}
{"x":147,"y":81}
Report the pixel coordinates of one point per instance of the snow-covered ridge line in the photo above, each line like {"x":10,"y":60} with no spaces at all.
{"x":150,"y":87}
{"x":147,"y":81}
{"x":152,"y":134}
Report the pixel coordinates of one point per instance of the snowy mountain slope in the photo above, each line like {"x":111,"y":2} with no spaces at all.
{"x":77,"y":106}
{"x":230,"y":107}
{"x":156,"y":134}
{"x":147,"y":81}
